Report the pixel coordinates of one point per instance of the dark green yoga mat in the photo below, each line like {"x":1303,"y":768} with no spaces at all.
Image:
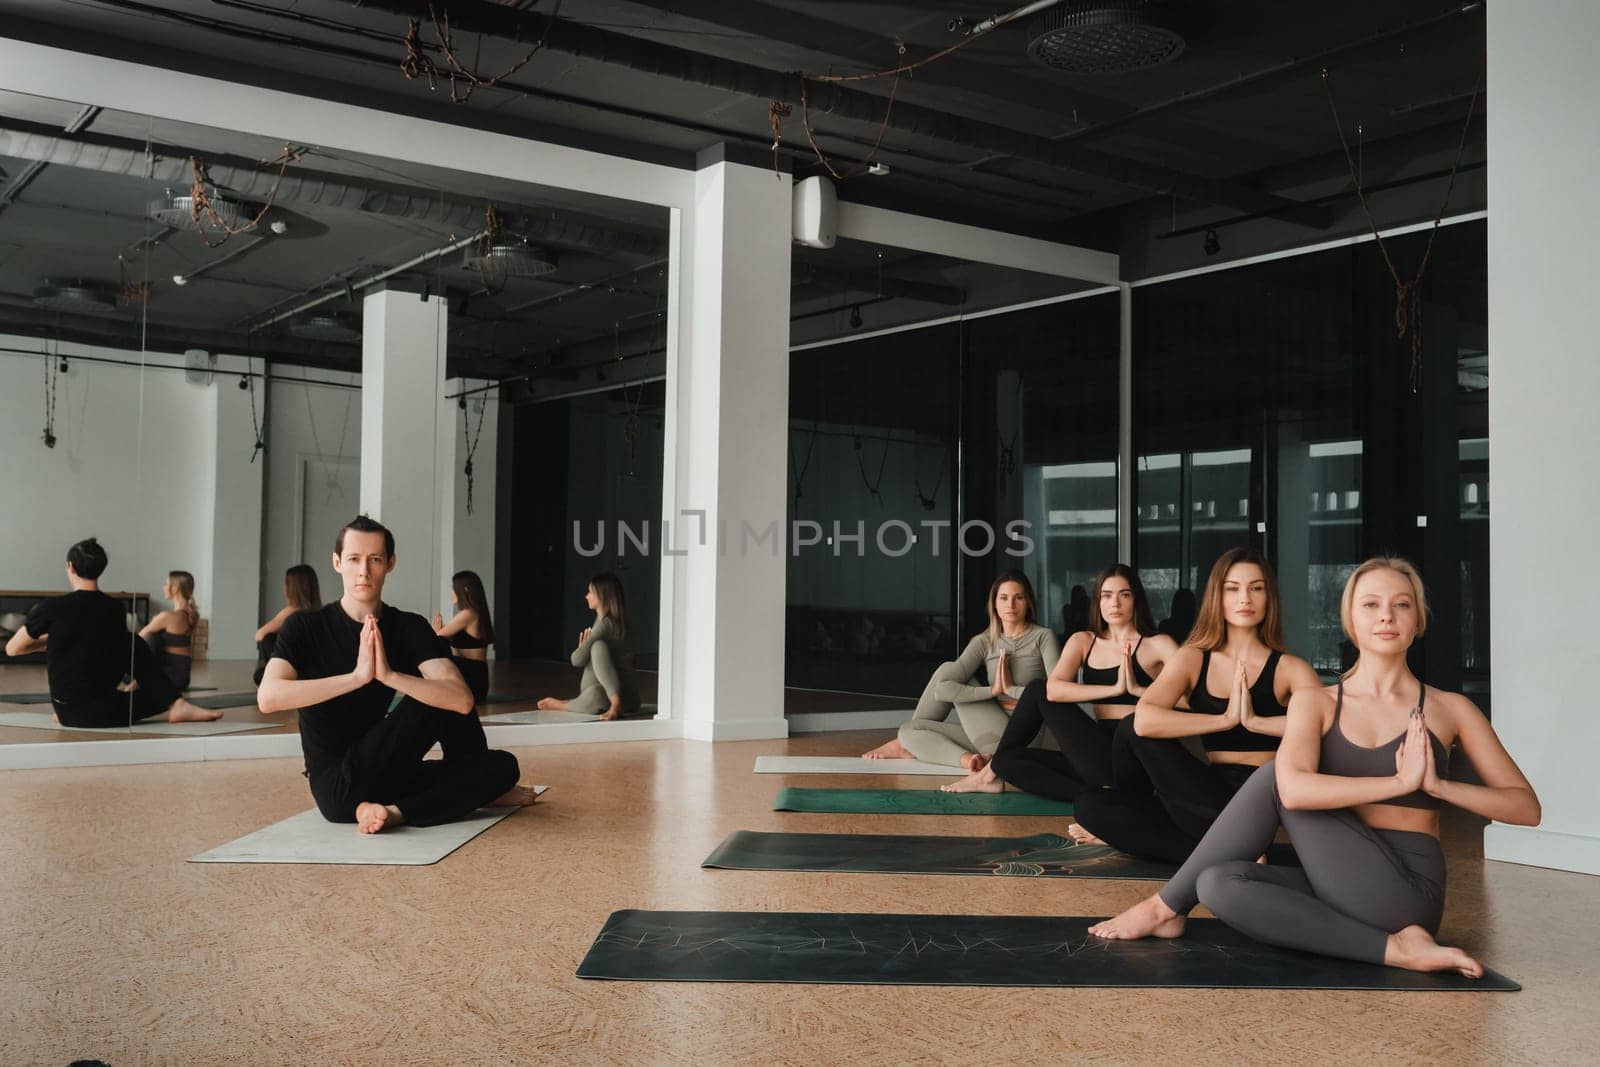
{"x":915,"y":802}
{"x":967,"y":950}
{"x":224,"y":700}
{"x":1036,"y":856}
{"x":44,"y":698}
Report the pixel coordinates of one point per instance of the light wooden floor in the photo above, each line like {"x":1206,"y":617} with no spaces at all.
{"x":111,"y":946}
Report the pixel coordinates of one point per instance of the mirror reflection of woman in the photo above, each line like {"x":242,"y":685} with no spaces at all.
{"x":300,"y":593}
{"x":1013,"y":651}
{"x":1357,"y":784}
{"x":171,"y":632}
{"x":608,"y":687}
{"x":470,"y":631}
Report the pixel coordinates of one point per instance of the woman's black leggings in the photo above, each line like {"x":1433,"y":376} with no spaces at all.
{"x":1084,"y":762}
{"x":1164,"y":816}
{"x":1356,"y":885}
{"x":475,"y":672}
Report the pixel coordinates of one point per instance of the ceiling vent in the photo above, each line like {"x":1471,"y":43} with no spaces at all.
{"x":79,"y":298}
{"x":1105,"y":36}
{"x":326,"y":327}
{"x":225,"y":215}
{"x":512,"y":257}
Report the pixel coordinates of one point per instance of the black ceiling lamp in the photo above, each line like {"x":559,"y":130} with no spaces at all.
{"x":1211,"y":244}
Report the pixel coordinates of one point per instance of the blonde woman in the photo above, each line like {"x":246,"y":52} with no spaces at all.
{"x":171,"y":632}
{"x":1357,"y":784}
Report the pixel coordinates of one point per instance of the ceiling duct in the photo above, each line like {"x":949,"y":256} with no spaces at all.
{"x":326,"y":327}
{"x":1106,"y":36}
{"x":513,"y":257}
{"x":80,"y":298}
{"x":220,"y":216}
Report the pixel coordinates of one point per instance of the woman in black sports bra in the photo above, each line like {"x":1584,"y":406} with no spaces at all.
{"x":171,"y":633}
{"x":471,"y":632}
{"x":1236,"y":646}
{"x":1357,"y":784}
{"x":1122,"y":633}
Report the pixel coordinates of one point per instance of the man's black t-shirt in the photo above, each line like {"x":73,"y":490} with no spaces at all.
{"x":324,"y":643}
{"x":89,"y":650}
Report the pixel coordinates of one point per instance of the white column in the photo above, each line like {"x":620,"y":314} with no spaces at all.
{"x":402,"y":377}
{"x":1544,"y":380}
{"x":727,"y":453}
{"x":232,"y":597}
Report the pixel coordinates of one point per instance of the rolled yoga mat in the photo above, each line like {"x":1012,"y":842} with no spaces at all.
{"x":851,"y":765}
{"x":968,"y":950}
{"x":1036,"y":856}
{"x":915,"y":802}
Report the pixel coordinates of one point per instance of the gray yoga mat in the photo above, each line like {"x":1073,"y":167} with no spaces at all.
{"x":539,"y":718}
{"x":969,"y":950}
{"x":309,"y":838}
{"x":44,"y":698}
{"x":851,"y":765}
{"x":218,"y":701}
{"x":44,"y":720}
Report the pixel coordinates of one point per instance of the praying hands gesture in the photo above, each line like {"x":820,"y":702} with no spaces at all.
{"x":1240,"y":709}
{"x":372,"y":662}
{"x":1002,"y":679}
{"x":1413,"y":761}
{"x":1125,"y":682}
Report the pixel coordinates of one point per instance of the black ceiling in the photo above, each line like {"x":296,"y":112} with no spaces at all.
{"x":982,"y":135}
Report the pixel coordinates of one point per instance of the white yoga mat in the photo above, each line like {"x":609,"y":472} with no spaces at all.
{"x":309,"y":838}
{"x":850,"y":765}
{"x":43,"y":720}
{"x":539,"y":718}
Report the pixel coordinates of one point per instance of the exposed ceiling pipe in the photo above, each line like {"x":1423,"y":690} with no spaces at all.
{"x":80,"y":121}
{"x":365,"y":283}
{"x":830,"y":98}
{"x":249,"y":181}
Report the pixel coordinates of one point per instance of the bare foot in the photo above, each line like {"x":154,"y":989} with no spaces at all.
{"x":518,"y":796}
{"x":552,"y":704}
{"x":1149,"y":918}
{"x":1079,"y":833}
{"x":374,"y":818}
{"x":890,"y":749}
{"x":183,"y":711}
{"x":974,"y":761}
{"x":1415,"y":949}
{"x":979,"y":781}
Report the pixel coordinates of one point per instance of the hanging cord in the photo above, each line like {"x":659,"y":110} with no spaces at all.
{"x":1008,"y":449}
{"x":471,"y":441}
{"x":929,"y":501}
{"x":805,"y":465}
{"x":249,"y":376}
{"x":859,"y":168}
{"x":416,"y":63}
{"x":883,"y":461}
{"x":1407,"y":294}
{"x":52,"y":370}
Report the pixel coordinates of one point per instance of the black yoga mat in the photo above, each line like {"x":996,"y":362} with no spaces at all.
{"x":44,"y":698}
{"x":224,"y":700}
{"x":967,"y":950}
{"x":1035,"y":856}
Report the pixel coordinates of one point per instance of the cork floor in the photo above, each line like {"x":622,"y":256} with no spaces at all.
{"x":111,"y":946}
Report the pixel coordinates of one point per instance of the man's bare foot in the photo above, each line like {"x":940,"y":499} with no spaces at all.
{"x":974,"y":761}
{"x":1415,"y":949}
{"x":1149,"y":918}
{"x":552,"y":704}
{"x":183,"y":711}
{"x":979,"y":781}
{"x":518,"y":796}
{"x":1079,"y":833}
{"x":890,"y":749}
{"x":374,"y":818}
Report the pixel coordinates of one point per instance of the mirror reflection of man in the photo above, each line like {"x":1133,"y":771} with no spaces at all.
{"x":89,"y":654}
{"x":343,"y":665}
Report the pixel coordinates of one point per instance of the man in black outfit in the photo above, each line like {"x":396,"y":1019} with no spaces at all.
{"x":89,"y":652}
{"x":343,"y":665}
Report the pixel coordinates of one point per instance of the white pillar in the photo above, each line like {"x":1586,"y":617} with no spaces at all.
{"x":232,"y":595}
{"x":402,"y":377}
{"x":727,"y":453}
{"x":1544,"y":380}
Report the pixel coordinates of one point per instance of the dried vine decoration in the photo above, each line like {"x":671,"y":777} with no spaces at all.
{"x":929,"y":501}
{"x":777,"y":111}
{"x":1407,"y":294}
{"x":471,"y":439}
{"x":52,"y":370}
{"x":805,"y":465}
{"x":859,"y":168}
{"x":883,"y":462}
{"x":201,"y":206}
{"x":633,"y":426}
{"x":1008,"y":448}
{"x":128,"y":291}
{"x":416,"y":63}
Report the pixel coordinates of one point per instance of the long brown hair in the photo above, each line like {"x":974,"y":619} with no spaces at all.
{"x":1143,"y":621}
{"x":468,"y":588}
{"x":300,"y":588}
{"x":994,"y":594}
{"x":1210,"y":631}
{"x":182,"y":583}
{"x":613,"y":605}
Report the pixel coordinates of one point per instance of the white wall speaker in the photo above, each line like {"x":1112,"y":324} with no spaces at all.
{"x":816,"y":213}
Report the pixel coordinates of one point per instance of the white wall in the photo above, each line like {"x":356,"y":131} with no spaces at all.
{"x":136,"y":464}
{"x":1545,"y":380}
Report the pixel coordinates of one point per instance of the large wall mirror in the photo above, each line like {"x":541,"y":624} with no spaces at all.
{"x":188,"y":322}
